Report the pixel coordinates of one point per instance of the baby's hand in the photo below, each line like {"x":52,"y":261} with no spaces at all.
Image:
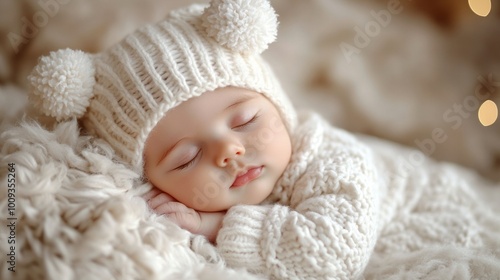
{"x":164,"y":204}
{"x":204,"y":223}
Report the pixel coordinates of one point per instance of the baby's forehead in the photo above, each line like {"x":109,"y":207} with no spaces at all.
{"x":201,"y":109}
{"x":213,"y":101}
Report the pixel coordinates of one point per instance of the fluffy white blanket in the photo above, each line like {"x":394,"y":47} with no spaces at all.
{"x":75,"y":215}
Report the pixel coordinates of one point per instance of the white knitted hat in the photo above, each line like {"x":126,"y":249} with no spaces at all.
{"x":121,"y":94}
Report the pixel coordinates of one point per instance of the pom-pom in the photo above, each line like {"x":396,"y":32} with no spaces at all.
{"x":244,"y":26}
{"x":63,"y":84}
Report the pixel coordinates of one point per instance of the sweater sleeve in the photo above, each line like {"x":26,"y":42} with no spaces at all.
{"x":327,"y":230}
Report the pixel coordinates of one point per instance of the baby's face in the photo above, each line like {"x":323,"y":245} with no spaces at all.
{"x":223,"y":148}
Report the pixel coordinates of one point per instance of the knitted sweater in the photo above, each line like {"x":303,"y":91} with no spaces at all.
{"x":321,"y":219}
{"x":347,"y":200}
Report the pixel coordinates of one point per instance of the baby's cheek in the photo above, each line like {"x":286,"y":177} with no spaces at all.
{"x":276,"y":124}
{"x":258,"y":142}
{"x":195,"y":191}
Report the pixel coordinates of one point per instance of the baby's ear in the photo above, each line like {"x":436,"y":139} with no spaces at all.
{"x":244,"y":26}
{"x":62,"y":83}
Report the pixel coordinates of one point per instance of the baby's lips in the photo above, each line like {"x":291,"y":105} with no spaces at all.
{"x":248,"y":176}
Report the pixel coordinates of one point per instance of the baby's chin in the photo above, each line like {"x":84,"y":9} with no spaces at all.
{"x":209,"y":206}
{"x":216,"y":208}
{"x":251,"y":194}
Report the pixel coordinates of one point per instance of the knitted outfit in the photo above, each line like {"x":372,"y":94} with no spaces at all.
{"x":336,"y":196}
{"x":352,"y":206}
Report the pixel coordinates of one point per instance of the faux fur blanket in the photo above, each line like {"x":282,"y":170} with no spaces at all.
{"x":75,"y":214}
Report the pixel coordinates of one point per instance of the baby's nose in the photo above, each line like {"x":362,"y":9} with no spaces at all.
{"x":229,"y":152}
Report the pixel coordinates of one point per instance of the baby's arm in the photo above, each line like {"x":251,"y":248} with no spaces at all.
{"x":203,"y":223}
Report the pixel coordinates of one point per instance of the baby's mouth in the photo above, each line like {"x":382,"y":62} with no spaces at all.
{"x":246,"y":176}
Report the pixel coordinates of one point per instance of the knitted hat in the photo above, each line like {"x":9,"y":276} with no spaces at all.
{"x":122,"y":93}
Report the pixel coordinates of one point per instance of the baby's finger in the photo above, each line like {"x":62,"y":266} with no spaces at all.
{"x":152,"y":193}
{"x":170,"y":207}
{"x":161,"y":198}
{"x":185,"y":220}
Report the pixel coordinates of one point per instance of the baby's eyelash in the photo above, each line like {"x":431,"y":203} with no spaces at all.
{"x":252,"y":120}
{"x":189,"y":163}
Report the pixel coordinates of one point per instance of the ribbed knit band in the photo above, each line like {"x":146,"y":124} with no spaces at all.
{"x":159,"y":66}
{"x":240,"y":237}
{"x":241,"y":240}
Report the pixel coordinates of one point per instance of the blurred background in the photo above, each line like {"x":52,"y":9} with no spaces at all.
{"x":414,"y":72}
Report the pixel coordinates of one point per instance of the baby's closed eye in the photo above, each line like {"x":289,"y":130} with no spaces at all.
{"x":190,"y":161}
{"x":245,"y":121}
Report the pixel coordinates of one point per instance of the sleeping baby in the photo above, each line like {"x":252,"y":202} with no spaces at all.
{"x":190,"y":104}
